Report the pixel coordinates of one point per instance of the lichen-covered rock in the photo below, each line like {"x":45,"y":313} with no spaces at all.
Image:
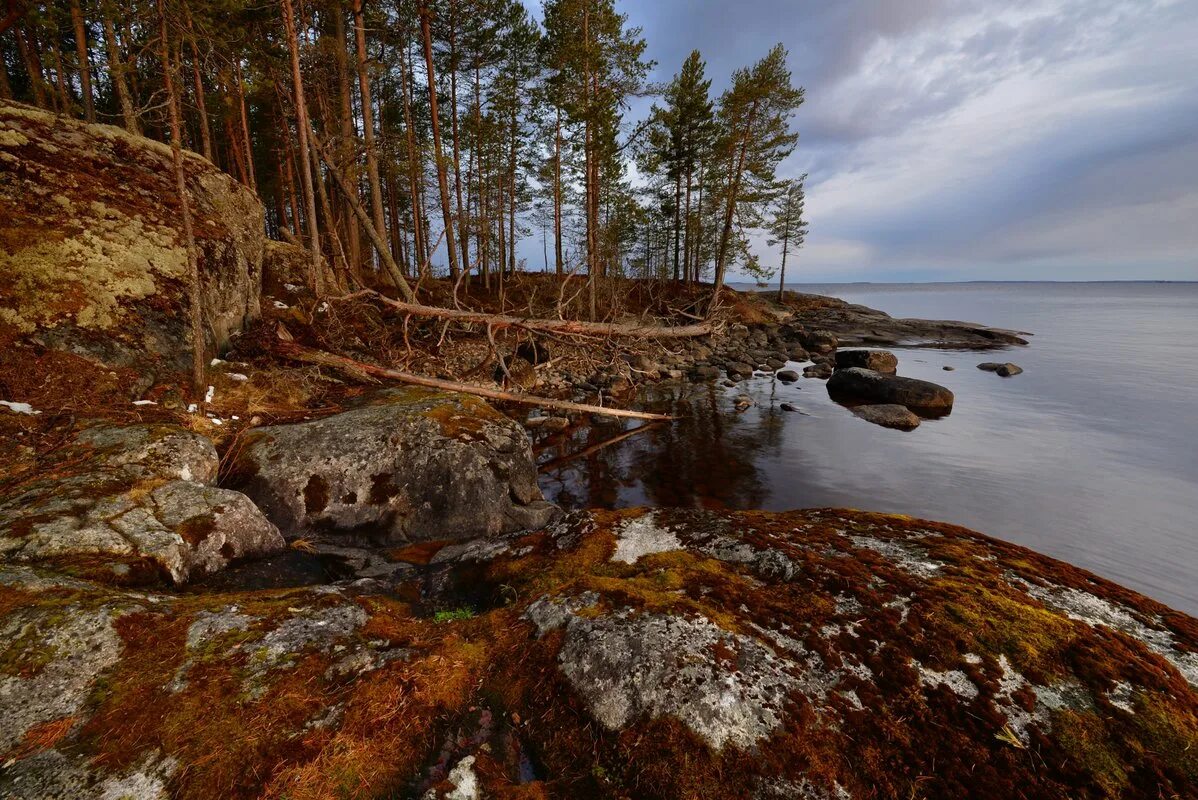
{"x":132,"y":504}
{"x":857,"y":384}
{"x":664,"y":654}
{"x":405,"y":464}
{"x":91,"y":250}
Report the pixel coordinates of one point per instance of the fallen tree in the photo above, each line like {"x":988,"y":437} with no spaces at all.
{"x":565,"y":326}
{"x":362,"y":371}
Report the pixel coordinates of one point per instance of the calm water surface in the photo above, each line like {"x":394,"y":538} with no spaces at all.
{"x":1090,"y":456}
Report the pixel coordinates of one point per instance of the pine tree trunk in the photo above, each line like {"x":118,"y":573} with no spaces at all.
{"x":686,"y":230}
{"x":346,"y":96}
{"x":65,"y":101}
{"x":733,"y":189}
{"x":372,"y":161}
{"x":463,"y":217}
{"x":245,"y":130}
{"x":442,"y":180}
{"x":195,"y":310}
{"x":201,"y":104}
{"x":5,"y":87}
{"x":677,"y":225}
{"x":511,"y":190}
{"x":117,"y":69}
{"x":85,"y":72}
{"x":557,"y":196}
{"x":33,"y":66}
{"x":414,"y":170}
{"x":305,"y":161}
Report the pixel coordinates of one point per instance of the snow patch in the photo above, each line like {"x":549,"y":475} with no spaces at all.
{"x":642,"y":537}
{"x":19,"y":408}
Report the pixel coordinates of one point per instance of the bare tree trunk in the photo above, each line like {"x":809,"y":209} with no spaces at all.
{"x":686,"y":237}
{"x":360,"y":370}
{"x":65,"y":100}
{"x":463,"y":217}
{"x":352,"y":234}
{"x":442,"y":181}
{"x":734,"y":179}
{"x":557,"y":196}
{"x":305,"y":167}
{"x":511,"y":191}
{"x":117,"y":72}
{"x":85,"y":71}
{"x":33,"y":66}
{"x":414,"y":167}
{"x":677,"y":223}
{"x":380,"y":244}
{"x":201,"y":103}
{"x":245,"y":130}
{"x":193,"y":269}
{"x":5,"y":87}
{"x":372,"y":162}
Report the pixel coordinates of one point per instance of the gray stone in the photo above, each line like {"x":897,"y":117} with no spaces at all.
{"x":405,"y":464}
{"x":822,"y":371}
{"x":628,"y":664}
{"x":134,"y":496}
{"x":889,"y":416}
{"x":878,"y":360}
{"x":738,"y":369}
{"x":855,"y":383}
{"x":787,"y":376}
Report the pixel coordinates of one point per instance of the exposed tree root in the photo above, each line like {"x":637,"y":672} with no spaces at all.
{"x":567,"y":326}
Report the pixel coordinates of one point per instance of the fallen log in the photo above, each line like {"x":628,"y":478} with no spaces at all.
{"x":566,"y":326}
{"x":360,"y":370}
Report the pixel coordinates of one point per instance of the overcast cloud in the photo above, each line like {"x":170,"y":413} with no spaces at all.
{"x":975,"y":139}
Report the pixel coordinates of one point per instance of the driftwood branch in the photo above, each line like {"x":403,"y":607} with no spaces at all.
{"x":567,"y":326}
{"x":360,"y":370}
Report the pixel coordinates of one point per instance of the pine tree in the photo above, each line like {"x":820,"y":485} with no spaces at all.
{"x":755,"y":137}
{"x":788,"y":227}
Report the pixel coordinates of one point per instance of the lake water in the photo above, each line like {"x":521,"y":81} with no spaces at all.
{"x":1091,"y":455}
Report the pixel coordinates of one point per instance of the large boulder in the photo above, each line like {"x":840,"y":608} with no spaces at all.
{"x":865,"y":385}
{"x":404,"y":464}
{"x":878,"y":360}
{"x":92,"y":255}
{"x":133,"y":504}
{"x":653,"y":654}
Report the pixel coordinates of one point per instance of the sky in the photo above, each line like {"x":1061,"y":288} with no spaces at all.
{"x":972,"y":139}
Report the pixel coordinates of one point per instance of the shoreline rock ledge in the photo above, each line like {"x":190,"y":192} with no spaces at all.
{"x":665,"y":654}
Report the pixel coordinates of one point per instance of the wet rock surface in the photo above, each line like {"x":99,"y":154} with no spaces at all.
{"x":659,"y":654}
{"x":404,"y":464}
{"x":868,"y":386}
{"x":878,"y":360}
{"x":889,"y":416}
{"x":132,"y":504}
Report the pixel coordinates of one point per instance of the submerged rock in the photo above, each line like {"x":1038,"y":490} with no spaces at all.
{"x":658,"y":654}
{"x":131,"y":504}
{"x":859,"y":384}
{"x":889,"y":416}
{"x":405,"y":464}
{"x":92,"y":256}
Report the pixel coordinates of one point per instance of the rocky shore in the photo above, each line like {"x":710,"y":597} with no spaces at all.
{"x":318,"y":587}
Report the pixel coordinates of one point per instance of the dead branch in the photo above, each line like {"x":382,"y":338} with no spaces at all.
{"x":595,"y":448}
{"x":363,"y":371}
{"x":554,"y":325}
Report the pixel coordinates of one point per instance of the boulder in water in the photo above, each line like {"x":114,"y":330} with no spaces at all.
{"x":889,"y":416}
{"x":866,"y":385}
{"x":878,"y":360}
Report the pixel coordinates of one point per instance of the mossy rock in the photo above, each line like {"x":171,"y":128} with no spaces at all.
{"x":663,"y":654}
{"x":92,"y":254}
